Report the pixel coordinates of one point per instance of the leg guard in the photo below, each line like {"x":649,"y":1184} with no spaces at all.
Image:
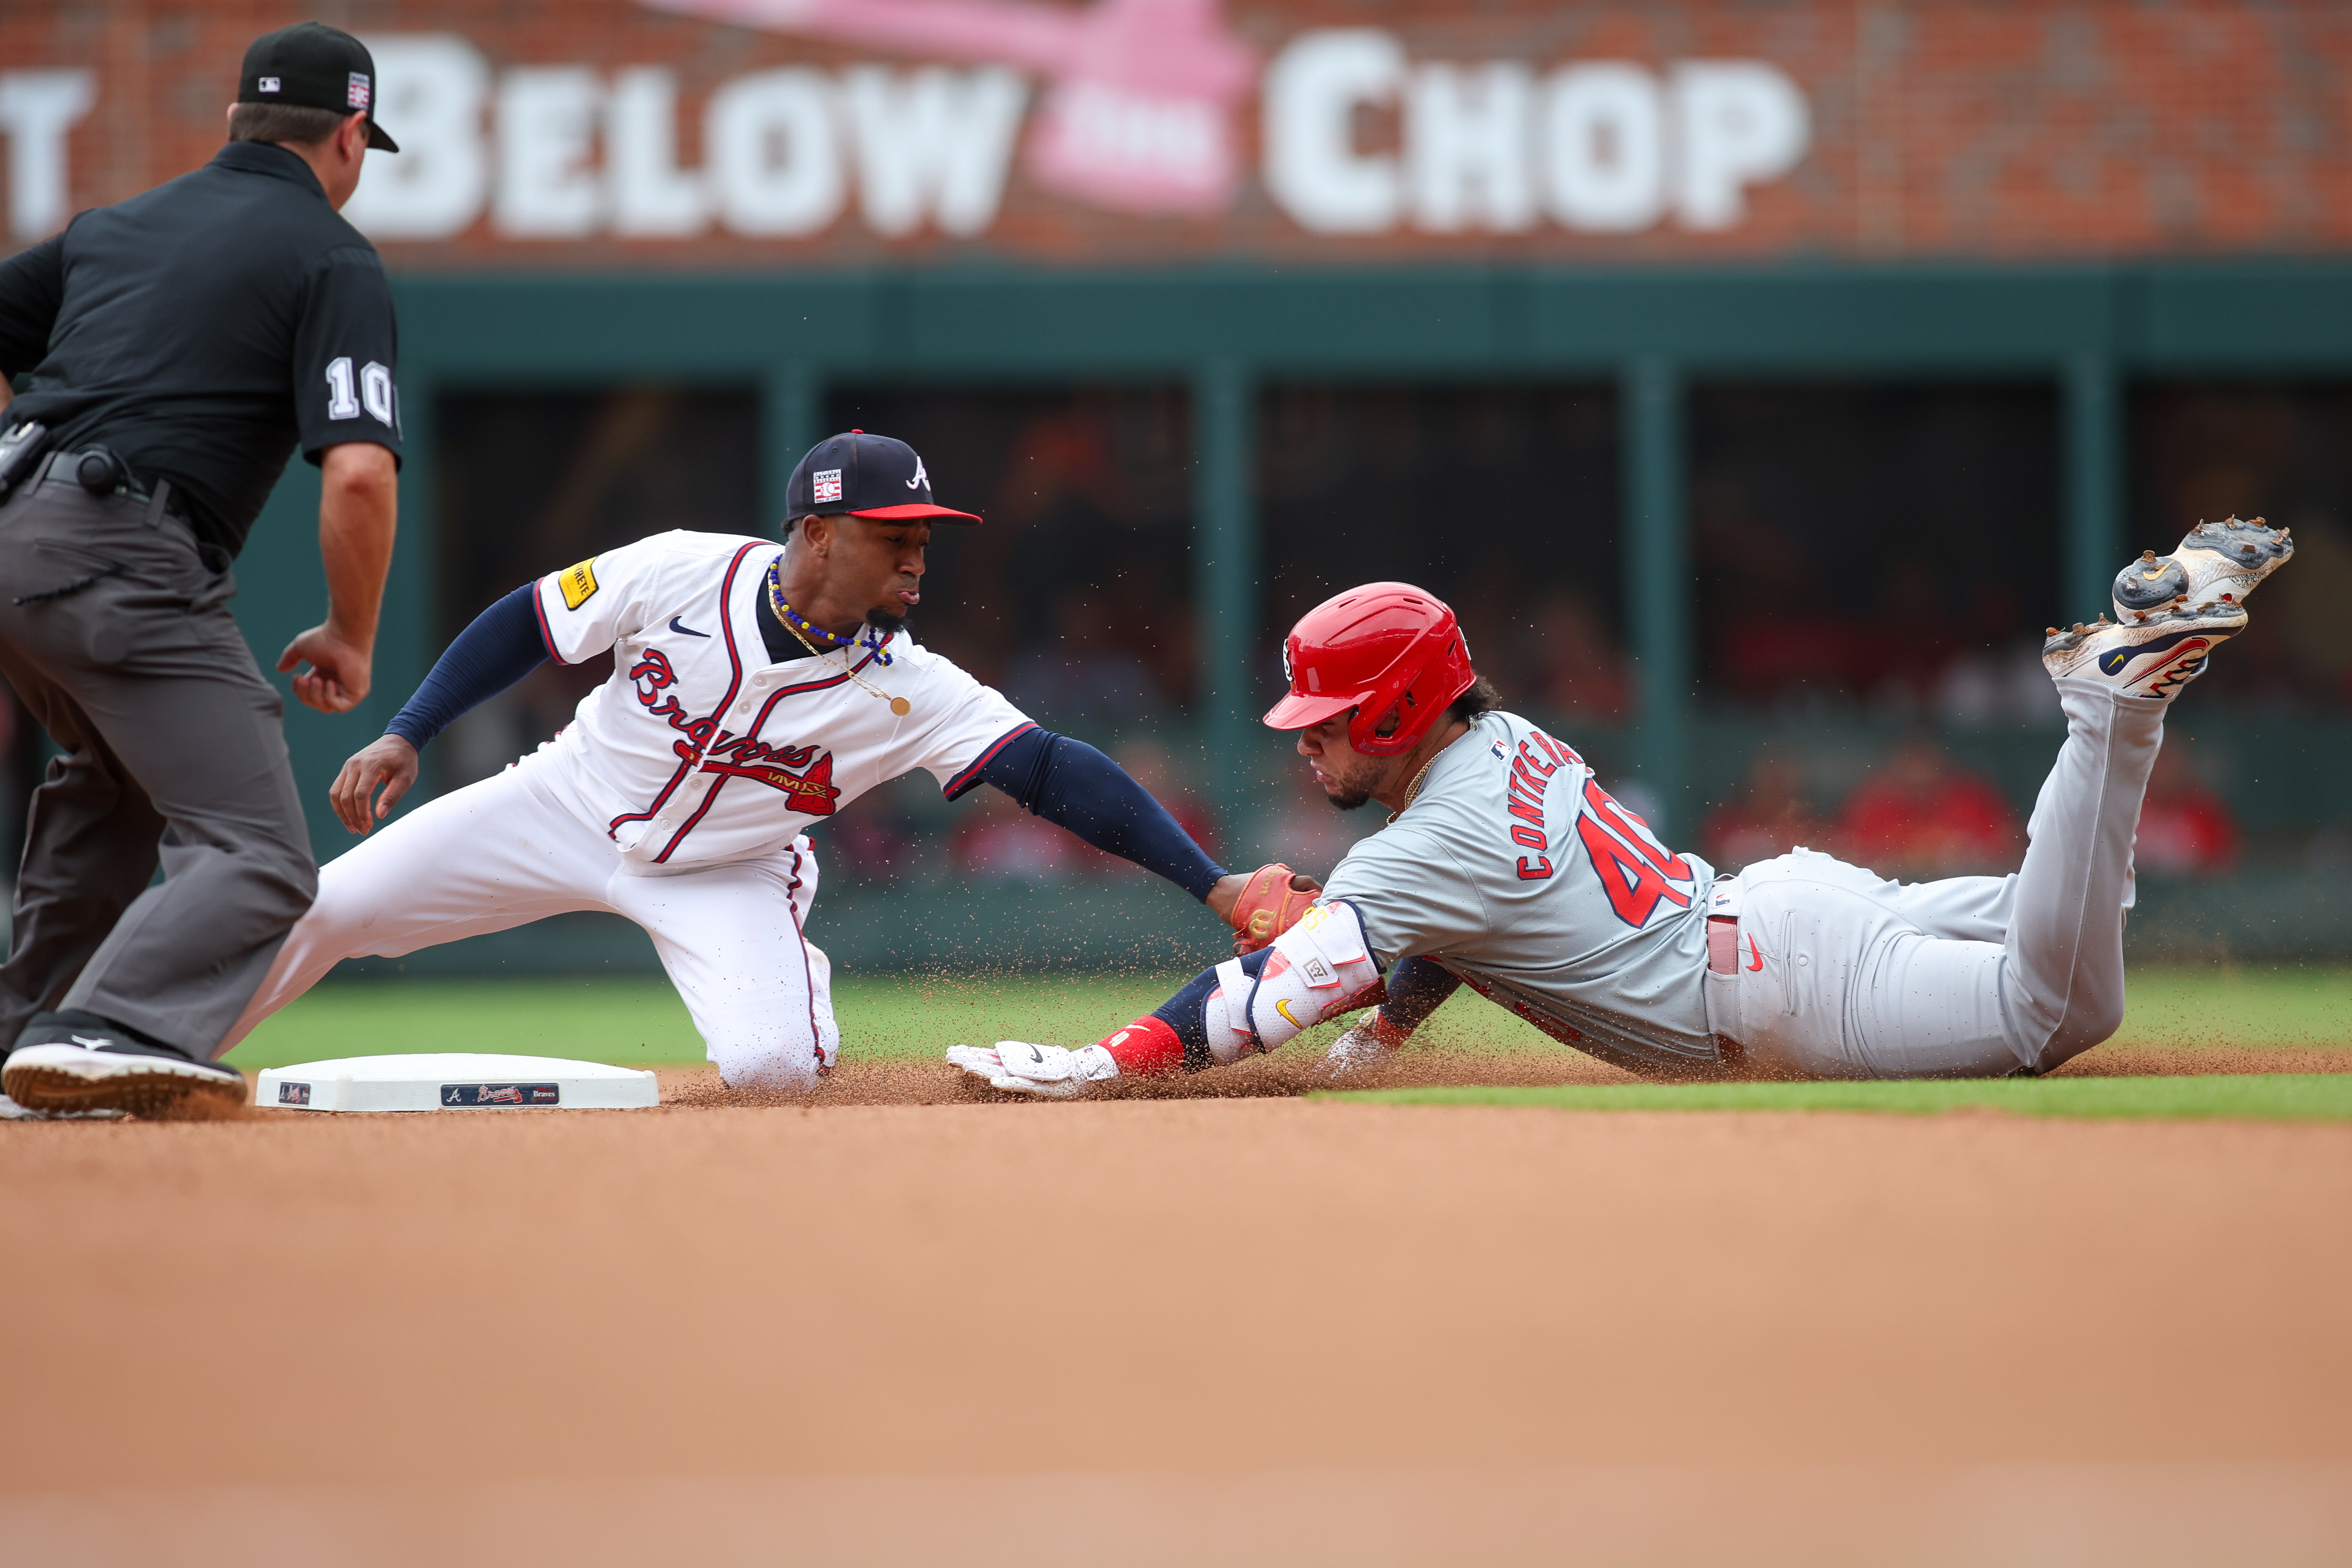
{"x":1319,"y":969}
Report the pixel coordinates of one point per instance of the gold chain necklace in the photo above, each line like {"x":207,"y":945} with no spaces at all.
{"x":898,"y":705}
{"x":1413,"y":789}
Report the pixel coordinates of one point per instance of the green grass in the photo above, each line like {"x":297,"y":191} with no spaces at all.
{"x":2269,"y":1007}
{"x":642,"y":1021}
{"x":2279,"y":1096}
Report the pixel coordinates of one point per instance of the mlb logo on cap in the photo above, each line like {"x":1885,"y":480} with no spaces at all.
{"x":865,"y":476}
{"x":311,"y":65}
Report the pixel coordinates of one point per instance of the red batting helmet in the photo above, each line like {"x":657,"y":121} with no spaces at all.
{"x":1381,"y":647}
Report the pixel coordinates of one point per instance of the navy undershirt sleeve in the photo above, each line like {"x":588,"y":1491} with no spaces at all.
{"x":1070,"y":784}
{"x":1415,"y":989}
{"x":500,"y":647}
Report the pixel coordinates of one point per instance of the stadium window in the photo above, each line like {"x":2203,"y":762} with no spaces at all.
{"x":1884,"y":546}
{"x":528,"y":481}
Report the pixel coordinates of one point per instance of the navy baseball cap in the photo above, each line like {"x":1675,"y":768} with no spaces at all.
{"x":865,"y":476}
{"x":313,"y":66}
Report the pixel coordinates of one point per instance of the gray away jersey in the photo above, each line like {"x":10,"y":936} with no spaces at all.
{"x":1520,"y":874}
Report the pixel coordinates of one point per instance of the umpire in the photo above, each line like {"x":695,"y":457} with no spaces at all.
{"x":180,"y":344}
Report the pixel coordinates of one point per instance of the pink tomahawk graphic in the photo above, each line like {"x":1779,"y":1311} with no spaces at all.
{"x":1138,"y":117}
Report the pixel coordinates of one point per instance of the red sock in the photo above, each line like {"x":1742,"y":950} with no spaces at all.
{"x":1146,"y":1047}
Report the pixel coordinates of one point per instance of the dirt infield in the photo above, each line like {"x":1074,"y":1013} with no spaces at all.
{"x":905,"y":1082}
{"x":1257,"y":1330}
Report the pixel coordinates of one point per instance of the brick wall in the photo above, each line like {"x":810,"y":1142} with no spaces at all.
{"x":2011,"y":130}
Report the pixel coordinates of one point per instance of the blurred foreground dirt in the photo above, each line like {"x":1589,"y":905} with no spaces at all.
{"x":1249,"y":1330}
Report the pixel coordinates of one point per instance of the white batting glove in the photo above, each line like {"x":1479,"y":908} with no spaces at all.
{"x":1050,"y":1072}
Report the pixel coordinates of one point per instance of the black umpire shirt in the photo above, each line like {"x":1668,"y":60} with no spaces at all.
{"x":203,"y":327}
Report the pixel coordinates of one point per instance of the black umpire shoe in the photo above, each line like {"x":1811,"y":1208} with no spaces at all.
{"x":75,"y":1060}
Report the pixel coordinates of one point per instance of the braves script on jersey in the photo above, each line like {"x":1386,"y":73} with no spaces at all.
{"x":1521,"y":875}
{"x":698,"y":750}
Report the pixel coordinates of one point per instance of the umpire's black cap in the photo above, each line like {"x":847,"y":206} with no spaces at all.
{"x":865,"y":476}
{"x":313,"y":66}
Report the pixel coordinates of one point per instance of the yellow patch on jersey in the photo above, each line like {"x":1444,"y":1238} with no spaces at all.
{"x":577,"y":583}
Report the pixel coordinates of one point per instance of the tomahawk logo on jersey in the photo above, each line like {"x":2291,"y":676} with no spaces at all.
{"x":698,"y":750}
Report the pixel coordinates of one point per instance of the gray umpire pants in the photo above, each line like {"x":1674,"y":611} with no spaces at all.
{"x":1850,"y":975}
{"x":117,"y":637}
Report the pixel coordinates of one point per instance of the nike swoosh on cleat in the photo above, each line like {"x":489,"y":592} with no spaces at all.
{"x":2115,"y":660}
{"x":685,"y":631}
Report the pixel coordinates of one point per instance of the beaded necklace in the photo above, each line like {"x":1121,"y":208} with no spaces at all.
{"x":794,"y":624}
{"x":794,"y":620}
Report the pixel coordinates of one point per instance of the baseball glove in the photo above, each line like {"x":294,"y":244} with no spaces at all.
{"x":1272,"y":901}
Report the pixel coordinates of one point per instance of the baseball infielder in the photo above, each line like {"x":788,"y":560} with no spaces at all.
{"x":1507,"y":867}
{"x":756,"y":687}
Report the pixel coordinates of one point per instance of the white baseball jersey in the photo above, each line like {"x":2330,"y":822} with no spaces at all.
{"x":698,"y":750}
{"x":1516,"y":870}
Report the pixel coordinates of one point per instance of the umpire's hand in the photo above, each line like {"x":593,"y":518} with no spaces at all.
{"x":340,"y":674}
{"x":390,"y":763}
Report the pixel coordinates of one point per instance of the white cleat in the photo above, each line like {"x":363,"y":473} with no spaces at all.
{"x":1049,"y":1072}
{"x":2151,"y":655}
{"x":2218,"y":564}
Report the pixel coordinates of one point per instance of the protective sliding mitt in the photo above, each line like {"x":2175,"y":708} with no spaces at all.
{"x":1272,"y":901}
{"x":1050,"y":1072}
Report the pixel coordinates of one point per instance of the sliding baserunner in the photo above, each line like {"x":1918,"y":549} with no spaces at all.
{"x":757,"y":688}
{"x":1507,"y":867}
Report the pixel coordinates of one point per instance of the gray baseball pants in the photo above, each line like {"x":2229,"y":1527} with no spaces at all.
{"x":117,"y":636}
{"x":1842,"y":974}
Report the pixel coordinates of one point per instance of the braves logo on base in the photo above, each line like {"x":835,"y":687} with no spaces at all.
{"x":493,"y":1094}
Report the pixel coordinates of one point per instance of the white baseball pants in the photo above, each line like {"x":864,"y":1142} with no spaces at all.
{"x":1842,"y":974}
{"x":503,"y":853}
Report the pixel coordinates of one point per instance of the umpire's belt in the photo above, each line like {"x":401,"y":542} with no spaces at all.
{"x":65,"y":468}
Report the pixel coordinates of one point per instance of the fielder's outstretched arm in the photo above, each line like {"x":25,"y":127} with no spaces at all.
{"x":1073,"y":785}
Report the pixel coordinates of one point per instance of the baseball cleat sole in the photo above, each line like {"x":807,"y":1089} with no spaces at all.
{"x":2216,"y":563}
{"x":2150,"y":655}
{"x":12,"y":1111}
{"x":67,"y":1080}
